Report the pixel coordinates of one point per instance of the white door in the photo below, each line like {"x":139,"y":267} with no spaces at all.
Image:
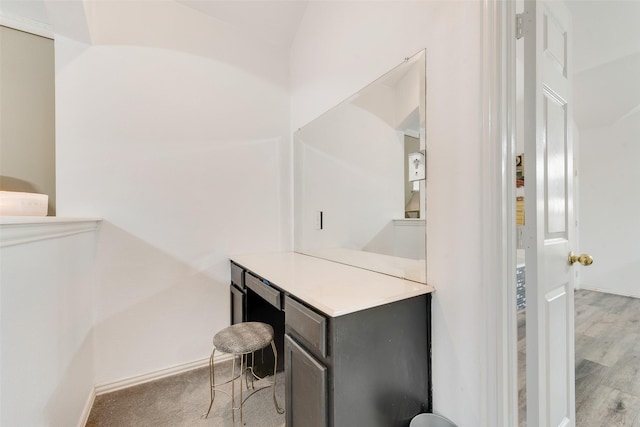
{"x":548,"y":214}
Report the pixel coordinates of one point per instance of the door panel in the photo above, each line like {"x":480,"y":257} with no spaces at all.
{"x":555,"y":179}
{"x":306,"y":388}
{"x":557,"y":365}
{"x":549,"y":213}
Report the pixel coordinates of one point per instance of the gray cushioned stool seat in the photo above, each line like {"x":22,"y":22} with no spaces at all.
{"x":244,"y":337}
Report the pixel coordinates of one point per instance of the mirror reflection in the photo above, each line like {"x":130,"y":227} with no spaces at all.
{"x":359,"y":177}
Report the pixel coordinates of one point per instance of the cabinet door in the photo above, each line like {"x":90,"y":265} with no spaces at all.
{"x":306,"y":386}
{"x":237,"y":305}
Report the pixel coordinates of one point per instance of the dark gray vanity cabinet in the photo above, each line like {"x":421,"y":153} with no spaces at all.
{"x":253,"y":299}
{"x":306,"y":387}
{"x":368,"y":368}
{"x":371,"y":367}
{"x":238,"y":295}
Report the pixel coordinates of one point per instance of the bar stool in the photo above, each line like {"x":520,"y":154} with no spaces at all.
{"x":241,"y":340}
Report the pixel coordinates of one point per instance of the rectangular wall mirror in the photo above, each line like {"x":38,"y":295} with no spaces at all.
{"x":355,"y":199}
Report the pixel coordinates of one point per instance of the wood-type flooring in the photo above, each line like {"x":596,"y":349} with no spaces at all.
{"x":607,"y":347}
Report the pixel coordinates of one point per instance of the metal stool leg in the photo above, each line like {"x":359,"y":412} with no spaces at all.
{"x":224,"y":343}
{"x":211,"y":381}
{"x":243,"y":368}
{"x":275,"y":369}
{"x":243,"y":371}
{"x":248,"y":370}
{"x":253,"y":375}
{"x":233,"y":389}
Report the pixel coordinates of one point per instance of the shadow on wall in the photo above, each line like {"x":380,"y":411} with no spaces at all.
{"x":9,"y":183}
{"x":153,"y":312}
{"x":67,"y":402}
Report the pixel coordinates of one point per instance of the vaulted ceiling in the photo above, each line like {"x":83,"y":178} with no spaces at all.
{"x":606,"y":44}
{"x":276,"y":21}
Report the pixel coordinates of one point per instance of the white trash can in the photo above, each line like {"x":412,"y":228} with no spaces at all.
{"x":430,"y":420}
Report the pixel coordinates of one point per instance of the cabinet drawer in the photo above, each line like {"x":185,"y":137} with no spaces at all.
{"x":266,"y":292}
{"x":236,"y":275}
{"x":237,"y":305}
{"x":311,"y":326}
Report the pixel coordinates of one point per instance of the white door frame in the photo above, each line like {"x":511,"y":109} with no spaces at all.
{"x":498,"y":212}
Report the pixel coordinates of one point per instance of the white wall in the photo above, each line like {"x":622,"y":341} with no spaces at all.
{"x":342,"y":46}
{"x":610,"y":206}
{"x":47,"y":342}
{"x":173,"y":127}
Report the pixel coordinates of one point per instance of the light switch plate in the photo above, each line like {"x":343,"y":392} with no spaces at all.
{"x":416,"y":166}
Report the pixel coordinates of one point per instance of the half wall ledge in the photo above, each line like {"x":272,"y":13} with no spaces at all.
{"x":17,"y":230}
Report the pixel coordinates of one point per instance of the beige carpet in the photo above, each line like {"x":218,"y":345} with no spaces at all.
{"x":181,"y":400}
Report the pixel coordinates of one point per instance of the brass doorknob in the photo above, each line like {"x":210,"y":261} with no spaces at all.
{"x":584,"y":259}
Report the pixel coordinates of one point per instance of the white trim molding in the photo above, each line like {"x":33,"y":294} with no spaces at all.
{"x":156,"y":375}
{"x":25,"y":229}
{"x":498,"y":213}
{"x":409,"y":222}
{"x":87,"y":409}
{"x":27,"y":25}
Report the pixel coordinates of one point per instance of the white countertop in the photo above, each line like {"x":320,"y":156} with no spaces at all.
{"x":411,"y":269}
{"x":333,"y":288}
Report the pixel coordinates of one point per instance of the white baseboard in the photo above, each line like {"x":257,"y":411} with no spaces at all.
{"x":609,"y":291}
{"x":87,"y":409}
{"x":156,"y":375}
